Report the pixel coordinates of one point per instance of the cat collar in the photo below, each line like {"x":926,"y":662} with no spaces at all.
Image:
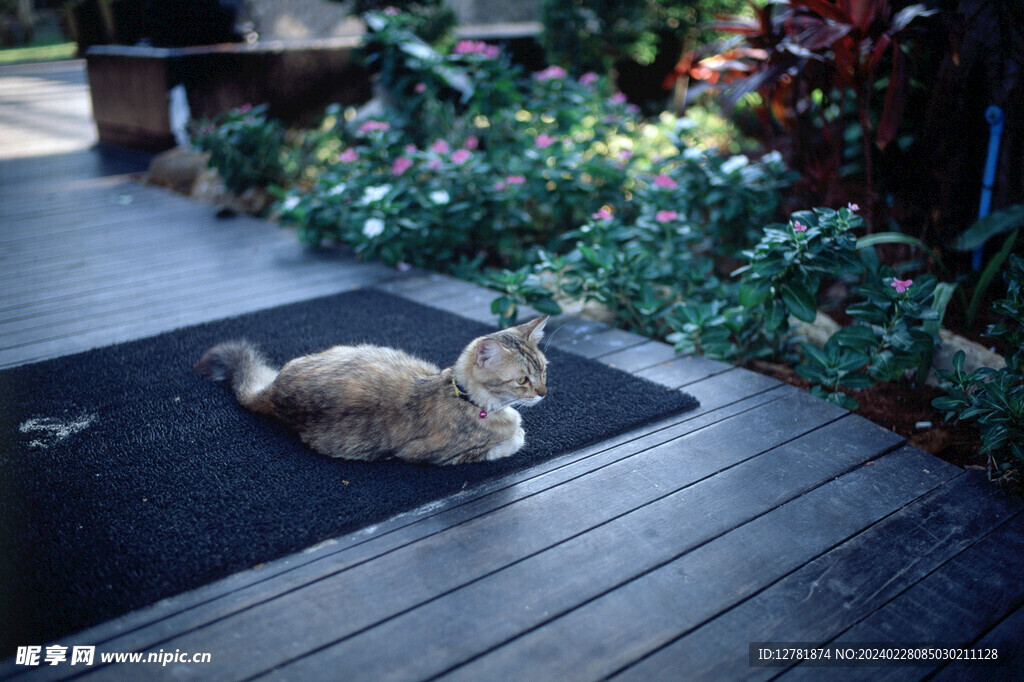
{"x":464,"y":395}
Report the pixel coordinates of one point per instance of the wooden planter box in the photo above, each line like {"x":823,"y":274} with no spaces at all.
{"x":130,"y":85}
{"x":297,"y":79}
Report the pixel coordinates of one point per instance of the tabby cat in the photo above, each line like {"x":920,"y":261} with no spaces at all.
{"x":370,"y":402}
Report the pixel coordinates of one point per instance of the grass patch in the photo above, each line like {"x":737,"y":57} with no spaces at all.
{"x":38,"y":53}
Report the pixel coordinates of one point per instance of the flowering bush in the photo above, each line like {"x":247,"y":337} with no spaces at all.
{"x":247,"y":149}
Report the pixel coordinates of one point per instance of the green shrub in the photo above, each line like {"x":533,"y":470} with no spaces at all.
{"x":247,"y":149}
{"x":994,"y":398}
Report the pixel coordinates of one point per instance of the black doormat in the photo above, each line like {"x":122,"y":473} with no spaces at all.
{"x":125,"y":478}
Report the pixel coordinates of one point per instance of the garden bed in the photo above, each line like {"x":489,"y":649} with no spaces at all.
{"x":546,"y":186}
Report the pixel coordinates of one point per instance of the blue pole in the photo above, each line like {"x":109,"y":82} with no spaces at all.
{"x":994,"y":117}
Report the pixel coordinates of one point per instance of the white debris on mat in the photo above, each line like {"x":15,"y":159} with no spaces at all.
{"x":49,"y":431}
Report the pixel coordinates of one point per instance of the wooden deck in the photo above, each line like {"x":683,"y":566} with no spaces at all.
{"x":765,"y":516}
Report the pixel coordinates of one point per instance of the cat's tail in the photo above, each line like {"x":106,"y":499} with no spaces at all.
{"x":243,"y":367}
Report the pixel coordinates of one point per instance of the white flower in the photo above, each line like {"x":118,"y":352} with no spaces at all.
{"x":440,"y":197}
{"x":373,"y":227}
{"x":290,"y":203}
{"x":337,"y":189}
{"x":734,"y":163}
{"x":693,"y":154}
{"x":772,"y":157}
{"x":374,"y":194}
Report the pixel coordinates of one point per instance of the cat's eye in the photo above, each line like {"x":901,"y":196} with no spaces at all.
{"x":522,"y":380}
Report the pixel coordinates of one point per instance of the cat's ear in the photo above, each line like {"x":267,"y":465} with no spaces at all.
{"x":488,"y":353}
{"x":534,"y":329}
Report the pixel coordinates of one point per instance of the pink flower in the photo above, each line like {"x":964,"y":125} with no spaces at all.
{"x":665,"y":182}
{"x":434,"y":164}
{"x":245,"y":109}
{"x":472,"y":142}
{"x":515,"y":180}
{"x":461,"y":156}
{"x":391,"y":11}
{"x":371,"y":126}
{"x":409,"y":148}
{"x":617,"y":98}
{"x":551,"y":73}
{"x":665,"y":216}
{"x":799,"y":226}
{"x":625,"y":154}
{"x":900,"y":285}
{"x":440,"y":147}
{"x":420,"y":88}
{"x":852,"y":206}
{"x":348,"y":156}
{"x":544,"y":141}
{"x":604,"y":213}
{"x":476,"y":47}
{"x":588,"y":78}
{"x":401,"y":165}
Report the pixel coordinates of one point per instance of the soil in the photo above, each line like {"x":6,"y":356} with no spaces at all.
{"x":906,"y":410}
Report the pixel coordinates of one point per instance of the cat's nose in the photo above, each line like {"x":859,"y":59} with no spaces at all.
{"x":541,"y":390}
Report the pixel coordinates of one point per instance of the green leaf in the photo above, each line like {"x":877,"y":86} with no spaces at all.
{"x":867,"y":312}
{"x":812,"y":374}
{"x":775,"y":314}
{"x":503,"y":306}
{"x":945,"y":403}
{"x":987,"y":274}
{"x":547,"y":306}
{"x":893,"y":238}
{"x":800,"y":302}
{"x":591,"y":255}
{"x":753,"y":293}
{"x":856,"y":336}
{"x":857,"y":381}
{"x":989,"y":226}
{"x":815,"y":354}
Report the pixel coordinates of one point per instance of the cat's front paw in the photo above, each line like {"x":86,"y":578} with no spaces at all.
{"x":508,"y":447}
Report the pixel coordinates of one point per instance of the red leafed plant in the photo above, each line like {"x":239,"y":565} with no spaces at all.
{"x":793,"y":51}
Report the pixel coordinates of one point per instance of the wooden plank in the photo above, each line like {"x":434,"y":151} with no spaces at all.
{"x":269,"y":268}
{"x":1007,"y":637}
{"x":616,"y":629}
{"x":123,"y":232}
{"x":682,"y":370}
{"x":201,"y":271}
{"x":643,"y":356}
{"x":823,"y":598}
{"x":601,"y":343}
{"x":443,"y":633}
{"x":151,"y":300}
{"x":148,"y":628}
{"x":413,"y":574}
{"x":177,"y":314}
{"x":954,"y":605}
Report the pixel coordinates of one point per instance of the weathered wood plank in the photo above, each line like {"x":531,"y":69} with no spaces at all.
{"x":442,"y":634}
{"x":600,"y":343}
{"x":642,"y":356}
{"x":616,"y":629}
{"x":151,"y":296}
{"x":847,"y":584}
{"x":126,"y":327}
{"x":681,"y":370}
{"x":147,"y":628}
{"x":200,"y":273}
{"x":1007,"y":637}
{"x":954,"y":605}
{"x":411,"y":575}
